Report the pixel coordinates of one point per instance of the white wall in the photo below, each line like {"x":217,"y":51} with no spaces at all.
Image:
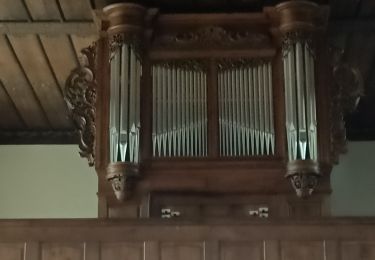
{"x":52,"y":181}
{"x":353,"y":181}
{"x":46,"y":181}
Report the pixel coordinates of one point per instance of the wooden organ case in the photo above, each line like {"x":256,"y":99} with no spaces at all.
{"x":209,"y":114}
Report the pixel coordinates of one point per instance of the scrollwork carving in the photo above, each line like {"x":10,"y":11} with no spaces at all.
{"x":80,"y":96}
{"x":346,"y":92}
{"x":214,"y":37}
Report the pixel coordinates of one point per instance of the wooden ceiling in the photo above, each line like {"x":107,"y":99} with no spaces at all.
{"x":40,"y":41}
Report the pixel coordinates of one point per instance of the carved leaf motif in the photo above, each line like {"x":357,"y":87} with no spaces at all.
{"x":80,"y":95}
{"x":213,"y":37}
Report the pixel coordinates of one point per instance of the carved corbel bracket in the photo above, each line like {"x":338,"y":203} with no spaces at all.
{"x":80,"y":96}
{"x":122,"y":177}
{"x":304,"y":176}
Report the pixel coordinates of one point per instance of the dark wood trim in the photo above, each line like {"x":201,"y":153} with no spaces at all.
{"x":146,"y":105}
{"x":279,"y":105}
{"x":213,"y":133}
{"x":38,"y":137}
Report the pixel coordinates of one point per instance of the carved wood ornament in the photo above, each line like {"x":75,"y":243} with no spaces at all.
{"x":80,"y":96}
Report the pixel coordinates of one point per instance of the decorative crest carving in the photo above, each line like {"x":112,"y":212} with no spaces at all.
{"x":80,"y":96}
{"x":214,"y":37}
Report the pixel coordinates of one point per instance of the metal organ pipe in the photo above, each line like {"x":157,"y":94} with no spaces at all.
{"x":300,"y":101}
{"x":179,"y":95}
{"x":124,"y":126}
{"x":246,"y":110}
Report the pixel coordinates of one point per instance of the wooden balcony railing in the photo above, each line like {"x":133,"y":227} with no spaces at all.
{"x":94,"y":239}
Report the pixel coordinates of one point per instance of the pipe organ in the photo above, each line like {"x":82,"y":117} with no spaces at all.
{"x":211,"y":103}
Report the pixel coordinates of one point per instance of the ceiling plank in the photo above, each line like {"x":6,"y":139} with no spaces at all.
{"x":76,"y":10}
{"x":9,"y":116}
{"x":43,"y":10}
{"x":62,"y":61}
{"x":53,"y":28}
{"x":12,"y":10}
{"x":35,"y":63}
{"x":19,"y":89}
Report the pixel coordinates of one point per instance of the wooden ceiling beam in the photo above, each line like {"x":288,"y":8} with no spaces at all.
{"x":52,"y":28}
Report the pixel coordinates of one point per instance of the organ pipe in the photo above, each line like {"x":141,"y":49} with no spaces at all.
{"x":245,"y":110}
{"x":180,"y":119}
{"x":124,"y":124}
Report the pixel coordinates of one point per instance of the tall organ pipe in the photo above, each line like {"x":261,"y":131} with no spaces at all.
{"x":301,"y":125}
{"x":124,"y":125}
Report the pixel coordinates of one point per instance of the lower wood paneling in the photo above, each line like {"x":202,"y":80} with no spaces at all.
{"x":122,"y":251}
{"x":62,"y":251}
{"x":324,"y":239}
{"x":358,"y":250}
{"x":242,"y":251}
{"x":309,"y":250}
{"x":182,"y":251}
{"x":12,"y":251}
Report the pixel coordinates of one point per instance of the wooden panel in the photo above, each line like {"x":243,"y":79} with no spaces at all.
{"x":8,"y":113}
{"x":242,"y":251}
{"x":293,"y":250}
{"x":12,"y":251}
{"x":18,"y":88}
{"x":62,"y":61}
{"x":122,"y":251}
{"x":182,"y":251}
{"x":12,"y":10}
{"x":61,"y":251}
{"x":358,"y":250}
{"x":76,"y":10}
{"x":43,"y":9}
{"x":30,"y":54}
